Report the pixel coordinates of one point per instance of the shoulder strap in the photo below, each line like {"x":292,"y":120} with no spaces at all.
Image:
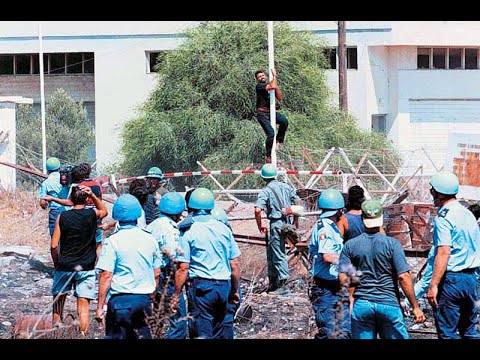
{"x":280,"y":203}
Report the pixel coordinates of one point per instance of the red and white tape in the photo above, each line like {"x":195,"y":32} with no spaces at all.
{"x":229,"y":172}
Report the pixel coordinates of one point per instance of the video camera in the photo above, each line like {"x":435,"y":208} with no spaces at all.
{"x":66,"y":175}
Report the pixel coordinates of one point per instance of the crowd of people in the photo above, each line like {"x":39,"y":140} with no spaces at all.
{"x":178,"y":251}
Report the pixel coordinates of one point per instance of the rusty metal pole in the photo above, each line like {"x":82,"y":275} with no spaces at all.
{"x":342,"y":66}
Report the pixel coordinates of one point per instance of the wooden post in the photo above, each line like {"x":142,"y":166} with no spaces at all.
{"x":342,"y":66}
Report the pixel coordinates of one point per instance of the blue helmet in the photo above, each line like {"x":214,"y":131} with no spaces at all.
{"x":330,"y":201}
{"x":201,"y":199}
{"x":445,"y":182}
{"x":53,"y":164}
{"x":172,"y":203}
{"x":269,"y":171}
{"x":154,"y":172}
{"x":219,"y":214}
{"x":126,"y":208}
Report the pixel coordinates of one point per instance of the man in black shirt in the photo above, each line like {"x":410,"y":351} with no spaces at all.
{"x":73,"y":250}
{"x":263,"y":111}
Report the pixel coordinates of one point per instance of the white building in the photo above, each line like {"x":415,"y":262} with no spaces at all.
{"x":417,"y":81}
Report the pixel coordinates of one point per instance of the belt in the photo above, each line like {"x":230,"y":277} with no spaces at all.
{"x":197,"y":279}
{"x":465,"y":271}
{"x":263,"y":109}
{"x":326,"y":283}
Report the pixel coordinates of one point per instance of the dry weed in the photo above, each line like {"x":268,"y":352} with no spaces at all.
{"x":24,"y":222}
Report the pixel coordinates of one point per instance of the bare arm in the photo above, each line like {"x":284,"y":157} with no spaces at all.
{"x":55,"y":241}
{"x":342,"y":225}
{"x":181,"y":275}
{"x":101,"y":210}
{"x":405,"y":280}
{"x":258,"y":219}
{"x":331,"y":258}
{"x":234,"y":297}
{"x":64,"y":202}
{"x":104,"y":283}
{"x":272,"y":85}
{"x":439,"y":269}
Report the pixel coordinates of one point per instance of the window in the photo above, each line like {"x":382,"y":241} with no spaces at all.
{"x":22,"y":64}
{"x":455,"y":58}
{"x":74,"y":63}
{"x":439,"y":58}
{"x":471,"y":58}
{"x":153,"y":58}
{"x":423,"y":58}
{"x":57,"y":64}
{"x":379,"y":123}
{"x":6,"y":64}
{"x":60,"y":63}
{"x":331,"y":57}
{"x":35,"y":64}
{"x":352,"y":58}
{"x":88,"y":63}
{"x":447,"y":58}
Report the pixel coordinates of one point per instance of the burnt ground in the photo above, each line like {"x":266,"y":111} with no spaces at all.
{"x":25,"y":295}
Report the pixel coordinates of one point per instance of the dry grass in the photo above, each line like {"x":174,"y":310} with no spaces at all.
{"x":23,"y":221}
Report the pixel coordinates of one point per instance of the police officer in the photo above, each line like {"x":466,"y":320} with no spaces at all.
{"x":130,"y":263}
{"x":330,"y":300}
{"x":153,"y":178}
{"x":51,"y":187}
{"x":276,"y":199}
{"x":456,"y":237}
{"x":167,"y":234}
{"x":232,"y":307}
{"x":209,"y":259}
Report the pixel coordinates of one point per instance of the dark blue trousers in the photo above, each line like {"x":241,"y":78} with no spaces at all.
{"x":264,"y":120}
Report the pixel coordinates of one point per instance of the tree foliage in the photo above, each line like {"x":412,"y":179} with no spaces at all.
{"x":203,"y":106}
{"x":69,"y":135}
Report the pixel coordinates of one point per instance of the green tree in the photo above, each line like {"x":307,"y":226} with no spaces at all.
{"x":69,"y":135}
{"x":203,"y":106}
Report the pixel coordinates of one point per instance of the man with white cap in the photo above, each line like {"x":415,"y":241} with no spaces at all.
{"x":375,"y":263}
{"x":130,"y":263}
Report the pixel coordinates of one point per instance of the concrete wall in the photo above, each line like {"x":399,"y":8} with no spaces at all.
{"x":7,"y":147}
{"x":79,"y":87}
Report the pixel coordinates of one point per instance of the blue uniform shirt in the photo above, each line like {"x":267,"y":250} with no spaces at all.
{"x":167,"y":234}
{"x":131,"y":254}
{"x":456,"y":227}
{"x":267,"y":201}
{"x":325,"y":239}
{"x":208,"y":246}
{"x":51,"y":186}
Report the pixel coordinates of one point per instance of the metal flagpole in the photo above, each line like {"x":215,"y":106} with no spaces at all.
{"x":273,"y":117}
{"x":42,"y":101}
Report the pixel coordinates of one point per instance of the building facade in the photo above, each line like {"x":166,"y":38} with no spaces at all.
{"x":415,"y":81}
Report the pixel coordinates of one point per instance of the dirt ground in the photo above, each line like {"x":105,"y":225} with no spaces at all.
{"x":26,"y":279}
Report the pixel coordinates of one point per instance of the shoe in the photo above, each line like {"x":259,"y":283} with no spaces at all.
{"x":268,"y":159}
{"x":284,"y":290}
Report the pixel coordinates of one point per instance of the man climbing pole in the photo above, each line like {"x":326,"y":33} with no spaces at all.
{"x":263,"y":111}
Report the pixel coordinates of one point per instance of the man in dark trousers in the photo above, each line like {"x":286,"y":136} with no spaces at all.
{"x":263,"y":111}
{"x":456,"y":238}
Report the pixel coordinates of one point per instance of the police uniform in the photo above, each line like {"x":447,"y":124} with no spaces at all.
{"x":208,"y":247}
{"x":131,"y":254}
{"x":456,"y":227}
{"x":52,"y":186}
{"x":273,"y":197}
{"x":167,"y":234}
{"x":326,"y":293}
